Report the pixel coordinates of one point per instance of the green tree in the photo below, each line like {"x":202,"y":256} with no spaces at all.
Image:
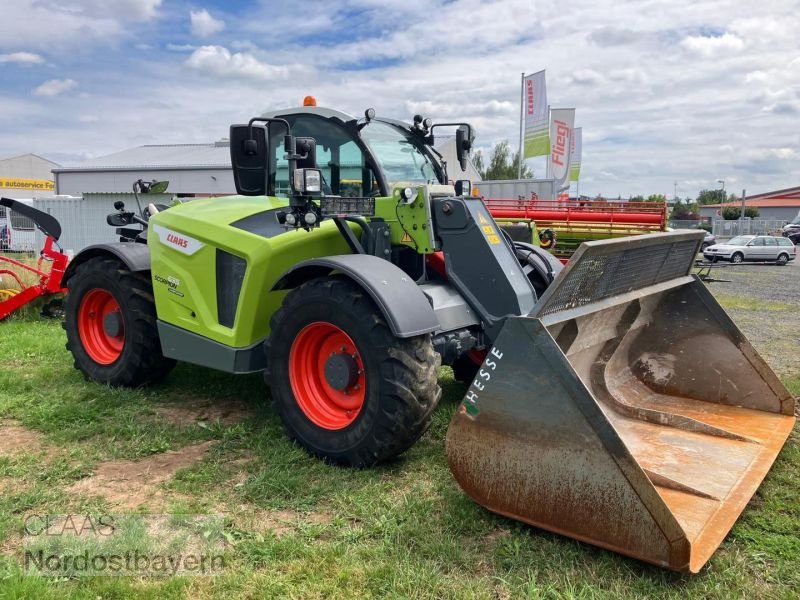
{"x":656,"y":198}
{"x":688,"y":211}
{"x":637,"y":198}
{"x":731,"y":213}
{"x":502,"y":163}
{"x":710,"y":197}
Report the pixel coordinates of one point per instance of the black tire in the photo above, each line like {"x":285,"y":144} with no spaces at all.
{"x":704,"y":245}
{"x":539,"y":266}
{"x":140,"y":361}
{"x":401,"y":389}
{"x":783,"y":259}
{"x":737,"y":258}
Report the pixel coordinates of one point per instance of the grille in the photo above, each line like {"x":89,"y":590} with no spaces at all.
{"x":605,"y":269}
{"x":339,"y":205}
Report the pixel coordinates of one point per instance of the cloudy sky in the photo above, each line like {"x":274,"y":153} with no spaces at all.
{"x":666,"y":91}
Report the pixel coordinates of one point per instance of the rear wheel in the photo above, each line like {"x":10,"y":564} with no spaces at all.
{"x":783,"y":258}
{"x":737,"y":258}
{"x":110,"y":320}
{"x":344,"y":386}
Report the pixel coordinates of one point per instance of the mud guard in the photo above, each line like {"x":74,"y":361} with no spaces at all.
{"x":405,"y":307}
{"x":135,"y":256}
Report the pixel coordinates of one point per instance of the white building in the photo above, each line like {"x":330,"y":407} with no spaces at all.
{"x":26,"y":176}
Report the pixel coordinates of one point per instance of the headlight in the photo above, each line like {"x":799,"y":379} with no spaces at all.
{"x":307,"y":181}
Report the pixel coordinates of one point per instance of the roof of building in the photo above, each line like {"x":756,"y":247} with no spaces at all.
{"x":28,"y":155}
{"x":786,"y":198}
{"x":160,"y":156}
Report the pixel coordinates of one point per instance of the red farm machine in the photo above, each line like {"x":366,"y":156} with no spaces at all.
{"x":563,"y":225}
{"x":22,"y":283}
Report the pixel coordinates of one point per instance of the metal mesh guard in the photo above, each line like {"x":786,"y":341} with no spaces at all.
{"x":608,"y":268}
{"x":340,"y":205}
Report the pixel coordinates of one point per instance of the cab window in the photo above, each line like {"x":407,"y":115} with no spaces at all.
{"x":343,"y":166}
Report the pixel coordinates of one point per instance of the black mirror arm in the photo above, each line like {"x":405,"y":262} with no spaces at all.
{"x":284,"y":122}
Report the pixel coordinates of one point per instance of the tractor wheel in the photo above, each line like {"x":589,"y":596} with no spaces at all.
{"x":110,"y":320}
{"x":345,"y":387}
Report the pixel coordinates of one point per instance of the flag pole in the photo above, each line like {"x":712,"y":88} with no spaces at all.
{"x":521,"y":120}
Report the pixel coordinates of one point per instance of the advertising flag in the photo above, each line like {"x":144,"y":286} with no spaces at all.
{"x":562,"y":124}
{"x":534,"y":99}
{"x":575,"y":155}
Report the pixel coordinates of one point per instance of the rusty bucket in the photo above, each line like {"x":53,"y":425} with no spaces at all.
{"x":627,"y":411}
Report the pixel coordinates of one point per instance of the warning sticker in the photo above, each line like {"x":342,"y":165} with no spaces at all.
{"x":406,"y":239}
{"x":488,"y":230}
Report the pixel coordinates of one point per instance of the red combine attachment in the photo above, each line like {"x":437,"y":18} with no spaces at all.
{"x":578,"y":221}
{"x":49,"y":281}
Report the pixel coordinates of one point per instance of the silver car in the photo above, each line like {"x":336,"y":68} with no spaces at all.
{"x":763,"y":248}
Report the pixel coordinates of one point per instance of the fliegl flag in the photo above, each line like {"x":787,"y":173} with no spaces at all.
{"x":562,"y":124}
{"x":575,"y":155}
{"x":534,"y":98}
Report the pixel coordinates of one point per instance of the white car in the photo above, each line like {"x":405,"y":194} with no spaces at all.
{"x":762,"y":248}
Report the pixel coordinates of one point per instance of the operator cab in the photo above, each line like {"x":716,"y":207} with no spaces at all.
{"x":357,"y":157}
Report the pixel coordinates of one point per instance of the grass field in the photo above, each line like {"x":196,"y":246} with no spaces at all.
{"x":206,"y":442}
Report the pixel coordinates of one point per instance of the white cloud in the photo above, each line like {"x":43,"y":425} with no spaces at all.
{"x":54,"y":87}
{"x":51,"y":24}
{"x":709,"y":46}
{"x":219,"y":62}
{"x":204,"y":25}
{"x":137,"y":10}
{"x":22,"y":58}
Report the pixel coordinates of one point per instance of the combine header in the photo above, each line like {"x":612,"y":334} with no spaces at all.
{"x":578,"y":221}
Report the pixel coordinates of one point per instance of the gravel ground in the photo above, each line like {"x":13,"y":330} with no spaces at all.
{"x":764,"y":301}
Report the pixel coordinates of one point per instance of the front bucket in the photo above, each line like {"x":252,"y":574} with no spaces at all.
{"x":638,"y":419}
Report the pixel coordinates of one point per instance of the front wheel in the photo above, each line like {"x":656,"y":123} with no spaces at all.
{"x":782,"y":260}
{"x":345,"y":387}
{"x":737,"y":258}
{"x":110,"y":320}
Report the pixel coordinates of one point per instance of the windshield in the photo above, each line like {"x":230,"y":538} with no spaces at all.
{"x":739,"y":241}
{"x":398,"y":156}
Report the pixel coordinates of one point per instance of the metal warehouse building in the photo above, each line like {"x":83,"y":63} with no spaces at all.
{"x":191,"y":169}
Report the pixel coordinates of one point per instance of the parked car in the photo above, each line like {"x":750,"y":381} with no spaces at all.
{"x":792,"y":227}
{"x":764,"y":248}
{"x":793,"y":236}
{"x":709,"y":240}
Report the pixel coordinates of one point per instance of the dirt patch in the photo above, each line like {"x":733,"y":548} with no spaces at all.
{"x":15,"y":439}
{"x":129,"y":484}
{"x":227,"y":412}
{"x":278,"y":522}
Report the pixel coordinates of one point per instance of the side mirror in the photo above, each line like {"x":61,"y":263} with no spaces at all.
{"x":463,"y":187}
{"x":464,"y":139}
{"x":249,"y":159}
{"x":158,"y":187}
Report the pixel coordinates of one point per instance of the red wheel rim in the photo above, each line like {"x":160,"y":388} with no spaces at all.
{"x":101,"y":346}
{"x":324,"y":405}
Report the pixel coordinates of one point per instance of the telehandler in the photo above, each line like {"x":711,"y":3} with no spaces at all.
{"x":611,"y":400}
